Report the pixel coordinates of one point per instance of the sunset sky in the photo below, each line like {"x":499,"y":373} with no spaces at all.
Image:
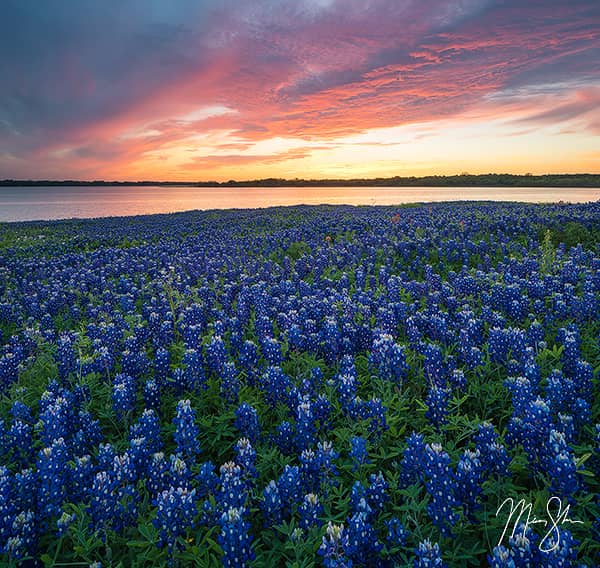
{"x":189,"y":90}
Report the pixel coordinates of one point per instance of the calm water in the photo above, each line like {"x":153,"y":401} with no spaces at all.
{"x":33,"y":203}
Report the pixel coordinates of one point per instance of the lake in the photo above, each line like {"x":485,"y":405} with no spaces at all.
{"x":60,"y":202}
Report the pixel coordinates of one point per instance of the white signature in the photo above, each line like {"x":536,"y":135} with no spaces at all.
{"x":555,"y":518}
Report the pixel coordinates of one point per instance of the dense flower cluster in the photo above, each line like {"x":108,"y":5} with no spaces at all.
{"x":331,"y":386}
{"x":175,"y":512}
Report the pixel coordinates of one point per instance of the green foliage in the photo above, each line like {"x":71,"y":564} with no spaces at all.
{"x":574,"y":233}
{"x":548,"y":254}
{"x":298,"y":249}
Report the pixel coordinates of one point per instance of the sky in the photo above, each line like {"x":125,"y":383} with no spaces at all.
{"x":236,"y":89}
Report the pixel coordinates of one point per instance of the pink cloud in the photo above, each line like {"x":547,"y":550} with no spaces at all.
{"x":315,"y":72}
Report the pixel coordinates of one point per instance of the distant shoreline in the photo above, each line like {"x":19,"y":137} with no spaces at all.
{"x":464,"y":180}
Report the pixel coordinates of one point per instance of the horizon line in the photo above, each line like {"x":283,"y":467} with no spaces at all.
{"x":297,"y":181}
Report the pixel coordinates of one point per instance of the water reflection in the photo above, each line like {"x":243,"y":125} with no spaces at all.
{"x":31,"y":203}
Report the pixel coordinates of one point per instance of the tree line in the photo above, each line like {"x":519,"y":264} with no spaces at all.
{"x":461,"y":180}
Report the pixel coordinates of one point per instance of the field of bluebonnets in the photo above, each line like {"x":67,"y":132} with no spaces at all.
{"x":305,"y":386}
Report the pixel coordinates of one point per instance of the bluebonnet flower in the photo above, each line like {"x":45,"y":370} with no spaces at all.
{"x":8,"y":503}
{"x":230,"y":383}
{"x":285,"y":438}
{"x":106,"y":456}
{"x":290,"y":487}
{"x":158,"y":476}
{"x":233,"y":491}
{"x":437,"y":406}
{"x":19,"y":441}
{"x":389,"y":358}
{"x":123,"y":395}
{"x":192,"y":334}
{"x":175,"y":512}
{"x":124,"y":468}
{"x":441,"y":486}
{"x":234,"y":538}
{"x":276,"y":385}
{"x":63,"y":523}
{"x":327,"y":456}
{"x":180,"y":474}
{"x":271,"y":350}
{"x":428,"y":555}
{"x":499,"y":344}
{"x":583,"y":374}
{"x":376,"y":492}
{"x":535,"y":333}
{"x":560,"y":391}
{"x":333,"y":547}
{"x":492,"y":454}
{"x":53,"y":477}
{"x":247,"y":422}
{"x":192,"y":376}
{"x":458,"y":380}
{"x":312,"y":476}
{"x":152,"y":394}
{"x":321,"y":409}
{"x":474,"y":357}
{"x":208,"y":481}
{"x":111,"y":503}
{"x":559,"y":549}
{"x":413,"y":331}
{"x":9,"y":369}
{"x":89,"y":434}
{"x":331,"y":337}
{"x":310,"y":511}
{"x":305,"y":427}
{"x":434,"y":366}
{"x":272,"y":505}
{"x":216,"y":353}
{"x":358,"y":452}
{"x":148,"y":428}
{"x":135,"y":363}
{"x":561,"y":466}
{"x":22,"y":412}
{"x":374,"y":411}
{"x":566,"y":425}
{"x":522,"y":392}
{"x":316,"y":378}
{"x":248,"y":360}
{"x":469,"y":476}
{"x":501,"y":557}
{"x":346,"y":386}
{"x":186,"y":431}
{"x":23,"y":541}
{"x":264,"y":326}
{"x":81,"y":475}
{"x":246,"y":458}
{"x":362,"y":546}
{"x":358,"y":498}
{"x":162,"y":366}
{"x":56,"y":419}
{"x":295,"y":338}
{"x":571,"y":341}
{"x":65,"y":356}
{"x":411,"y":466}
{"x":524,"y":547}
{"x":582,"y":411}
{"x":396,"y":533}
{"x":535,"y":430}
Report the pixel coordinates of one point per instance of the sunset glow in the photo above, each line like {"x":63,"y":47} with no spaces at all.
{"x":311,"y":88}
